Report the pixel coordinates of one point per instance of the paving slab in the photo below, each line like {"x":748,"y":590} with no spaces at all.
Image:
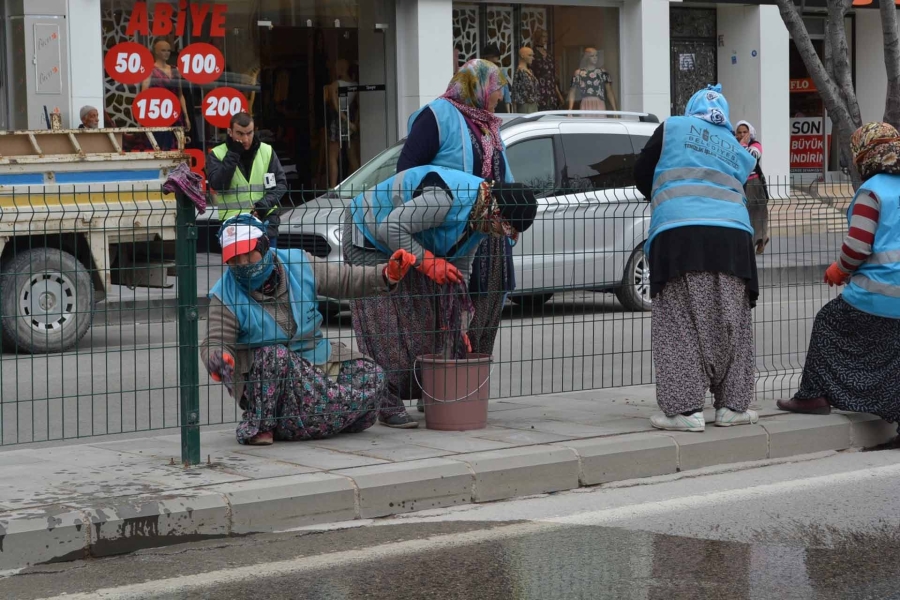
{"x":501,"y":474}
{"x":266,"y":505}
{"x":792,"y":434}
{"x":311,"y":456}
{"x":415,"y":485}
{"x":720,"y":446}
{"x":623,"y":457}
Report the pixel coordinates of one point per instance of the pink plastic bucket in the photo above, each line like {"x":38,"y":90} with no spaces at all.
{"x":455,"y":391}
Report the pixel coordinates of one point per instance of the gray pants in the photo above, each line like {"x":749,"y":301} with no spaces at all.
{"x":703,"y":340}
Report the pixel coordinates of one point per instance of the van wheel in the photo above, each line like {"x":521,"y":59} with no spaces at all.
{"x":634,"y":293}
{"x":46,"y":301}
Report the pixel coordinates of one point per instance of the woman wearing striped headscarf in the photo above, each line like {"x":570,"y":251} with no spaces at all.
{"x":853,"y":362}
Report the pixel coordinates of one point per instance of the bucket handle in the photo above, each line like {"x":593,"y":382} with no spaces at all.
{"x":421,"y":387}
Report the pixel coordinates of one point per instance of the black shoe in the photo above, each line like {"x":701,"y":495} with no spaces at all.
{"x":401,"y":421}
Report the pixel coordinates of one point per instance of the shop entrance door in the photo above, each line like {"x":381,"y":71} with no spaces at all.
{"x":314,"y":106}
{"x":693,"y":53}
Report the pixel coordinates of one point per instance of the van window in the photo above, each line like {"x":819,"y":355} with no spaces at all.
{"x":598,"y":161}
{"x":534,"y":164}
{"x":638,"y":142}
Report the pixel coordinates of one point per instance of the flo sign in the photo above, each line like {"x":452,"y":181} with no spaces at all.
{"x":199,"y":63}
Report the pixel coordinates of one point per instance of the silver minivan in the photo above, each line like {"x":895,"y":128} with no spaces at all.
{"x":591,"y":223}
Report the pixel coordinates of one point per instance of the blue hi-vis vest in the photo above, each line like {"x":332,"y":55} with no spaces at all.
{"x":699,"y":179}
{"x":373,"y":206}
{"x":258,"y":328}
{"x":875,"y":287}
{"x":456,"y":144}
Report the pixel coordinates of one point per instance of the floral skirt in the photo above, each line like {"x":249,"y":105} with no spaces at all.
{"x":286,"y":394}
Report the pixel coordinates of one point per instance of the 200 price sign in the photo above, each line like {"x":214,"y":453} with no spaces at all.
{"x":201,"y":63}
{"x":128,"y":62}
{"x":221,"y":104}
{"x":155,"y":107}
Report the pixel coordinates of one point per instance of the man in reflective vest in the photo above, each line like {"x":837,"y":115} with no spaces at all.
{"x":247,"y":175}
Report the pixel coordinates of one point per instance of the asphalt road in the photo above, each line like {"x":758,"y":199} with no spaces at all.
{"x":124,"y":378}
{"x":815,"y":527}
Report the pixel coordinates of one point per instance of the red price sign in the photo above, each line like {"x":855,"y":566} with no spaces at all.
{"x":156,"y":107}
{"x":221,"y":104}
{"x":128,"y":63}
{"x":201,"y":63}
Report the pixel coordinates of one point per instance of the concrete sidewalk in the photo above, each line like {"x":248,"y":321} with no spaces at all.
{"x":104,"y":498}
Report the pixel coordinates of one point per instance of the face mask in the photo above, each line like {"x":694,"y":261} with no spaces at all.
{"x":252,"y":276}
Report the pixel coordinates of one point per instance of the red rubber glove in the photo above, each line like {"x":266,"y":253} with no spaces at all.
{"x":439,"y":270}
{"x":465,"y":338}
{"x":400,"y":263}
{"x":834,"y":276}
{"x":221,"y":367}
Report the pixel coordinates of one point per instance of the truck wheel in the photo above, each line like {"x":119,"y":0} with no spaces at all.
{"x":46,"y":301}
{"x":634,"y":293}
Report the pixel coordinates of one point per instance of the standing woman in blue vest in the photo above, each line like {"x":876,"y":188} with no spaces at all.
{"x":853,"y":362}
{"x":703,"y":277}
{"x":265,"y":343}
{"x":441,"y":216}
{"x":460,"y":131}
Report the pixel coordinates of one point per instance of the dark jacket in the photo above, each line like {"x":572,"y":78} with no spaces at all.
{"x":220,"y":172}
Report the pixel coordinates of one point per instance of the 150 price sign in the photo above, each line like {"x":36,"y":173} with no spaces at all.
{"x":156,"y":107}
{"x":129,"y":63}
{"x":201,"y":63}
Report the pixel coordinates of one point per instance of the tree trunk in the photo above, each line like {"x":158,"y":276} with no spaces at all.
{"x":891,"y":62}
{"x":840,"y":56}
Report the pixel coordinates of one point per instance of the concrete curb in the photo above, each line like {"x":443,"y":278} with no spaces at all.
{"x":165,"y":310}
{"x":54,"y":534}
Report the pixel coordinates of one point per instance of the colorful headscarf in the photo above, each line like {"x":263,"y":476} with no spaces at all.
{"x":876,"y":149}
{"x":710,"y":105}
{"x":469,"y":91}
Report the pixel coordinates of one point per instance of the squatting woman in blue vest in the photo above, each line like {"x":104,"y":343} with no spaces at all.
{"x":441,"y":216}
{"x":702,"y":265}
{"x":853,"y":362}
{"x":460,"y":131}
{"x":265,"y":343}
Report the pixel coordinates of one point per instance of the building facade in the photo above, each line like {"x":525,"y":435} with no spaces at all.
{"x":332,"y":82}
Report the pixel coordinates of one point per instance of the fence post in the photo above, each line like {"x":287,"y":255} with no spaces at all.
{"x":188,"y":338}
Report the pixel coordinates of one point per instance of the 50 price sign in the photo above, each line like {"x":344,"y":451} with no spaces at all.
{"x":156,"y":107}
{"x":201,"y":63}
{"x":221,"y":104}
{"x":128,"y":63}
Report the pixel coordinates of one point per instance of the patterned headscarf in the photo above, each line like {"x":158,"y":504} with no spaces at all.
{"x":710,"y":105}
{"x":876,"y":149}
{"x":469,"y":91}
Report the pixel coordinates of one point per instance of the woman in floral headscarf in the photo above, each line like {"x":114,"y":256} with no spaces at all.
{"x":853,"y":362}
{"x":459,"y":131}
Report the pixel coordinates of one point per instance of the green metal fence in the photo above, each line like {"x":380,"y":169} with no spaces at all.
{"x":104,"y":302}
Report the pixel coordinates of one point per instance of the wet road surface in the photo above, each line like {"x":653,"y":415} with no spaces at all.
{"x":824,"y":527}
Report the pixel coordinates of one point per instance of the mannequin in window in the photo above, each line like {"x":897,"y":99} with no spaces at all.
{"x":166,"y":76}
{"x":339,"y":123}
{"x":591,"y":84}
{"x":544,"y":68}
{"x":525,"y":84}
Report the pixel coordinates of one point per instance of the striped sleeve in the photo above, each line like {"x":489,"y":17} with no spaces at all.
{"x":755,"y":149}
{"x":863,"y":223}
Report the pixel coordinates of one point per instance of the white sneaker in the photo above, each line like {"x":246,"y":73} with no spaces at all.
{"x":725,"y":417}
{"x":695,"y":422}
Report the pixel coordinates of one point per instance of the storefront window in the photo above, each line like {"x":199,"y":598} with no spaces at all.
{"x":283,"y":61}
{"x":576,"y":51}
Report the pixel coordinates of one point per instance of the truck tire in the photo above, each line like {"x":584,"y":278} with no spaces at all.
{"x":634,"y":293}
{"x":46,"y":301}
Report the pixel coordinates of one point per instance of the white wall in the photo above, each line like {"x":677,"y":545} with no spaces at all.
{"x":757,"y":87}
{"x":871,"y":79}
{"x":424,"y":54}
{"x":645,"y":57}
{"x":85,"y":57}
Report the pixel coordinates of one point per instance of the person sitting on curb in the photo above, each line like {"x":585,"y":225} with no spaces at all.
{"x":853,"y":362}
{"x":248,"y":176}
{"x":265,"y":343}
